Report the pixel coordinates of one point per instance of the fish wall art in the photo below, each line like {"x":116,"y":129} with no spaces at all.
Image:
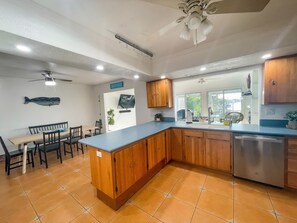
{"x":44,"y":101}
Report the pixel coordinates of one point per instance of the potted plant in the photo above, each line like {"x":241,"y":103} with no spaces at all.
{"x":110,"y":117}
{"x":292,"y":117}
{"x":158,"y":117}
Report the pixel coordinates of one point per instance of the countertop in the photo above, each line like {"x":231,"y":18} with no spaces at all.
{"x":114,"y":140}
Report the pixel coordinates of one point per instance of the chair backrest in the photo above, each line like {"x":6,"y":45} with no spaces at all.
{"x":99,"y":125}
{"x":76,"y":132}
{"x":51,"y":138}
{"x":4,"y":146}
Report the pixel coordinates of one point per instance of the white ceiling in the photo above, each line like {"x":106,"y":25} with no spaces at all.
{"x":73,"y":36}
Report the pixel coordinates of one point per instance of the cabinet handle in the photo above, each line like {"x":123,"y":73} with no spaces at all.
{"x":273,"y":82}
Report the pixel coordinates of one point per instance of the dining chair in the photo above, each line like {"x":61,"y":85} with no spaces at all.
{"x":51,"y":142}
{"x":97,"y":131}
{"x":9,"y":155}
{"x":75,"y":135}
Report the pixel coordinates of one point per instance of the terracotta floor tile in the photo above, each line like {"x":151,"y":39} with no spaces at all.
{"x":193,"y":179}
{"x":148,"y":200}
{"x":41,"y":190}
{"x":282,"y":193}
{"x":49,"y":202}
{"x":24,"y":213}
{"x":102,"y":212}
{"x":162,"y":183}
{"x":173,"y":171}
{"x":218,"y":205}
{"x":186,"y":192}
{"x":12,"y":205}
{"x":248,"y":214}
{"x":85,"y":218}
{"x":204,"y":217}
{"x":285,"y":207}
{"x":175,"y":211}
{"x":68,"y":210}
{"x":131,"y":214}
{"x":154,"y":220}
{"x":86,"y":195}
{"x":219,"y":186}
{"x":285,"y":220}
{"x":257,"y":187}
{"x":251,"y":196}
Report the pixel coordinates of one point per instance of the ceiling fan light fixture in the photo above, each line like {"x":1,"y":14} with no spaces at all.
{"x":194,"y":21}
{"x":198,"y":37}
{"x":50,"y":81}
{"x":206,"y":26}
{"x":186,"y":33}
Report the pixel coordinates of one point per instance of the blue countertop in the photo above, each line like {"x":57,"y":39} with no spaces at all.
{"x":114,"y":140}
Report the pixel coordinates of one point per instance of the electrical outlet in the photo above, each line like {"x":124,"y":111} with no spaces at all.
{"x":99,"y":154}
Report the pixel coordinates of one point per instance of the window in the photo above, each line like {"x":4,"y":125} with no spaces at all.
{"x":224,"y":101}
{"x":188,"y":101}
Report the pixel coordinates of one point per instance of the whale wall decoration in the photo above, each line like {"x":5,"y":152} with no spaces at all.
{"x":44,"y":101}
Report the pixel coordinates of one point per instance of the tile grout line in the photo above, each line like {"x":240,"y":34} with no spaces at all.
{"x":274,"y":211}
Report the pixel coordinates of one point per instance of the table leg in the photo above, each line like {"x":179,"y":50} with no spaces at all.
{"x":25,"y":158}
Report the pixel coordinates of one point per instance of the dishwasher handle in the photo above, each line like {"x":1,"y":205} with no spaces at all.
{"x":259,"y":139}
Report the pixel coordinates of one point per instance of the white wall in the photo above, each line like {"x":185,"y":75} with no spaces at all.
{"x":122,"y":119}
{"x":143,"y":113}
{"x":77,"y":106}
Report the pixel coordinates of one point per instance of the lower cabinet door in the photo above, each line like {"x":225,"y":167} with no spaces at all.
{"x":218,"y":155}
{"x":130,"y":166}
{"x":194,"y":151}
{"x":176,"y":144}
{"x":156,"y":149}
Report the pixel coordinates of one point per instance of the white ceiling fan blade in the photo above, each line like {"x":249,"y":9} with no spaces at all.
{"x":236,"y":6}
{"x":167,"y":3}
{"x":167,"y":28}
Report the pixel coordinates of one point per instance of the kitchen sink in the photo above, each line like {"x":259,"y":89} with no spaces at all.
{"x":208,"y":126}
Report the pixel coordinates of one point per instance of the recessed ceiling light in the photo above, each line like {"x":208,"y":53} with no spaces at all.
{"x":23,"y":48}
{"x":202,"y":68}
{"x":100,"y":67}
{"x":136,"y":76}
{"x":163,"y":77}
{"x":266,"y":56}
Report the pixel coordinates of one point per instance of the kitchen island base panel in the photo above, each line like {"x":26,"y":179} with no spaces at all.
{"x":117,"y":202}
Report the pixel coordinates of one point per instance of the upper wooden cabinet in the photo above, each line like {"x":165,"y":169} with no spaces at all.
{"x":156,"y":149}
{"x":280,"y":80}
{"x":159,"y":94}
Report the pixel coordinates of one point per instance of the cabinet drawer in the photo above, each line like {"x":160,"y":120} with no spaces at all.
{"x":292,"y":148}
{"x":217,"y":135}
{"x":292,"y":165}
{"x":292,"y":180}
{"x":194,"y":133}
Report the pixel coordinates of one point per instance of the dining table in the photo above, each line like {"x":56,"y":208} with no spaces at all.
{"x":23,"y":141}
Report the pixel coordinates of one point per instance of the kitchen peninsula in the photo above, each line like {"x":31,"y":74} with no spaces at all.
{"x":125,"y":160}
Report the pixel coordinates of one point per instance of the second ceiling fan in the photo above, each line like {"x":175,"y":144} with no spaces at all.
{"x":48,"y":79}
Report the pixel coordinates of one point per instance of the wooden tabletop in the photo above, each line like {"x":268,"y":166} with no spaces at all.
{"x":36,"y":137}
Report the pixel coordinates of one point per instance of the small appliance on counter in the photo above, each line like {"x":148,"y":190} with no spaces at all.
{"x":189,"y":117}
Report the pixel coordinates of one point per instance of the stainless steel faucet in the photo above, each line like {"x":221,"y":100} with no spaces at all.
{"x":210,"y":112}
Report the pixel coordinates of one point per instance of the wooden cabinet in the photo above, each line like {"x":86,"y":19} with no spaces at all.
{"x":176,"y":144}
{"x":130,"y":166}
{"x":156,"y":149}
{"x":168,"y":145}
{"x":291,"y":171}
{"x":218,"y":150}
{"x":280,"y":80}
{"x":194,"y":149}
{"x":159,"y":94}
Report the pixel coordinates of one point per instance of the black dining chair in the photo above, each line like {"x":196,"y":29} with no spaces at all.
{"x":97,"y":131}
{"x":51,"y":142}
{"x":9,"y":155}
{"x":75,"y":135}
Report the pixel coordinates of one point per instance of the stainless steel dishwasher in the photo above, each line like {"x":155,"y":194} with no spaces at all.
{"x":259,"y":158}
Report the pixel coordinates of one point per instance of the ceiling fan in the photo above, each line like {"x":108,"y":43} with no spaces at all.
{"x":48,"y":79}
{"x":196,"y":23}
